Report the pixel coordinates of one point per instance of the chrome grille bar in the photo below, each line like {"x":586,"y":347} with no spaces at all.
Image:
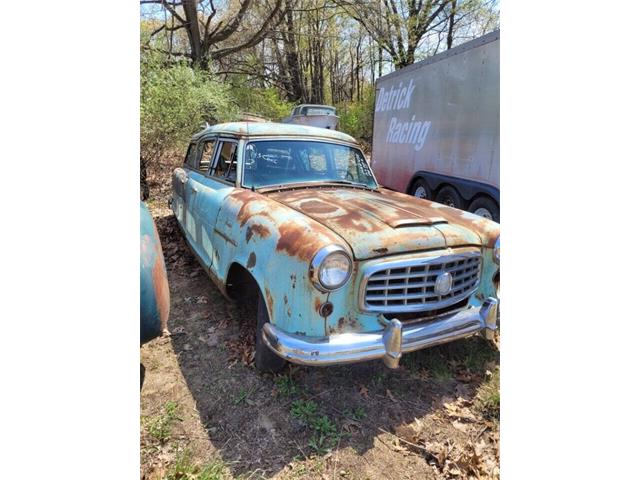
{"x":409,"y":286}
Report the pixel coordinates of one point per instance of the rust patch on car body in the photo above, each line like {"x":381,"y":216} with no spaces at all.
{"x":269,"y":299}
{"x":252,"y":260}
{"x":314,"y":206}
{"x":345,"y":325}
{"x":318,"y":304}
{"x":300,"y":240}
{"x":256,"y":229}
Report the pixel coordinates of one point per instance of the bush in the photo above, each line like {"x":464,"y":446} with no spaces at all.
{"x":265,"y":102}
{"x":356,"y":118}
{"x":175,"y":102}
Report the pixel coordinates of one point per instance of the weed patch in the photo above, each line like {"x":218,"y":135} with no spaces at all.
{"x":160,"y":426}
{"x":325,"y":432}
{"x":285,"y":386}
{"x":488,"y":397}
{"x":186,"y":469}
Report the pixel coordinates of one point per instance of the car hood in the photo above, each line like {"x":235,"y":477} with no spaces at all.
{"x":383,"y":222}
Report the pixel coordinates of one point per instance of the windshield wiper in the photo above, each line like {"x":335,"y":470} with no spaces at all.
{"x":355,"y":184}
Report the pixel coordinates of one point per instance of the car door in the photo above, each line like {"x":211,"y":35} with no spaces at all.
{"x":198,"y":238}
{"x":179,"y":184}
{"x":212,"y":190}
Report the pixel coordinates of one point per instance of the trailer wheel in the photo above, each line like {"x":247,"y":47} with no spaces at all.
{"x":449,"y":196}
{"x":485,"y":207}
{"x":420,"y":189}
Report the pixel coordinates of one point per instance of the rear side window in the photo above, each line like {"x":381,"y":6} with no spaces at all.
{"x":208,"y":147}
{"x":226,"y":164}
{"x":190,"y":158}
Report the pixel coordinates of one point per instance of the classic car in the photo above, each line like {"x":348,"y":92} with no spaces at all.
{"x":321,"y":116}
{"x":154,"y":286}
{"x":343,"y":269}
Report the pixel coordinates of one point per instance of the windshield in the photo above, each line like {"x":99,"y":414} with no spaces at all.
{"x":318,"y":111}
{"x":281,"y":162}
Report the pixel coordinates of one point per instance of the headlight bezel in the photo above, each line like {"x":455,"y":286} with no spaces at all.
{"x":316,"y":265}
{"x":496,"y":251}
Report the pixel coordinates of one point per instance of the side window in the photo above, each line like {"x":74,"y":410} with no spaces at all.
{"x":190,"y":158}
{"x":227,"y":161}
{"x":208,"y":147}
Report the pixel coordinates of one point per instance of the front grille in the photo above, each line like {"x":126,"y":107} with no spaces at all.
{"x":409,"y":286}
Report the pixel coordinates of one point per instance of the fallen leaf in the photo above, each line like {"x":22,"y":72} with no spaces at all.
{"x":364,"y":391}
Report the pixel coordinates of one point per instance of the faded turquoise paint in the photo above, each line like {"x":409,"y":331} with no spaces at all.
{"x":260,"y":129}
{"x":275,"y":235}
{"x":276,"y":245}
{"x":154,"y":287}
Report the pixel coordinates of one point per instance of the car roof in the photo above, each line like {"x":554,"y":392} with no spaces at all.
{"x":257,"y":129}
{"x":316,"y":105}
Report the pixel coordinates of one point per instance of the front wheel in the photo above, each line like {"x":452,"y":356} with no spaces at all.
{"x":266,"y":360}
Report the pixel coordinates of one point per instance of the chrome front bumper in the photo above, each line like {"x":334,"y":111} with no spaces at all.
{"x":388,"y":344}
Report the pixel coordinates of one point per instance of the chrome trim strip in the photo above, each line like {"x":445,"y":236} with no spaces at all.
{"x":388,"y":344}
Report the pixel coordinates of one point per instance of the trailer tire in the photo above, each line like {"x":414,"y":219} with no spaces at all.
{"x":485,"y":207}
{"x":420,"y":189}
{"x":266,"y":360}
{"x":449,"y":196}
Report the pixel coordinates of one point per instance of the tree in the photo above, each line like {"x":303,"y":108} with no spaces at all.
{"x":211,"y":38}
{"x":398,"y":26}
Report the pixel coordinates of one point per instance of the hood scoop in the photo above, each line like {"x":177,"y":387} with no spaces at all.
{"x":415,"y":222}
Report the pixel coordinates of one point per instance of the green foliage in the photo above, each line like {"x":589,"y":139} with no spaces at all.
{"x":325,"y":432}
{"x":185,"y":469}
{"x":265,"y":102}
{"x":175,"y":101}
{"x":160,"y":427}
{"x":488,"y":398}
{"x":286,"y":386}
{"x":356,"y":118}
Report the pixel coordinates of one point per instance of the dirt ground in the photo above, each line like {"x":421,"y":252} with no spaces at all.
{"x":207,"y":413}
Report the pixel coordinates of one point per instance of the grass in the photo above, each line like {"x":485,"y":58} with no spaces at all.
{"x":285,"y":386}
{"x":160,"y":426}
{"x":241,"y":397}
{"x":325,"y":432}
{"x":357,"y":413}
{"x":488,"y":396}
{"x":442,"y":361}
{"x":186,"y":469}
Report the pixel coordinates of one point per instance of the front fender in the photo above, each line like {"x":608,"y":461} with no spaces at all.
{"x":276,"y":245}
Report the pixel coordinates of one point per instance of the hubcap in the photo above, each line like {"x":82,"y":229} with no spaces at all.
{"x":483,"y":212}
{"x":420,"y":192}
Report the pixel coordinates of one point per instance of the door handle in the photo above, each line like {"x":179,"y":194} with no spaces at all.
{"x":194,"y":189}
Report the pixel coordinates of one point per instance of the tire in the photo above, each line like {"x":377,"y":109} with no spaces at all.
{"x":142,"y":370}
{"x":449,"y":196}
{"x":266,"y":360}
{"x":420,"y":189}
{"x":485,"y":207}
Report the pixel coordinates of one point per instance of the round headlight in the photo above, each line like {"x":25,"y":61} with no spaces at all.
{"x":496,"y":251}
{"x":330,"y":268}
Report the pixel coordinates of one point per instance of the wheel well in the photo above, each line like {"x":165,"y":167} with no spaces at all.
{"x":240,"y":283}
{"x":483,"y":195}
{"x":442,"y":185}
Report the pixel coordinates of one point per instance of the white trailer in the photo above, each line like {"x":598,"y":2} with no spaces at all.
{"x":436,"y":128}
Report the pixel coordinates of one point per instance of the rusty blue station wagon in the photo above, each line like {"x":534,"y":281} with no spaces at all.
{"x":343,"y":270}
